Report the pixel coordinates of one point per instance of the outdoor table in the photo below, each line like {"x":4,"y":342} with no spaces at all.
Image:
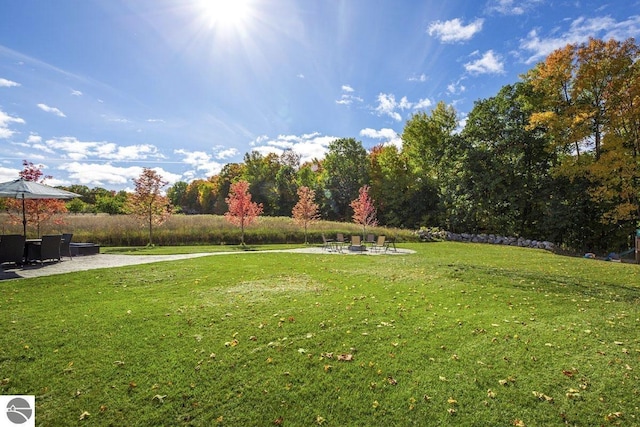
{"x":28,"y":244}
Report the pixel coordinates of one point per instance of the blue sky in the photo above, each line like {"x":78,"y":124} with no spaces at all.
{"x":95,"y":90}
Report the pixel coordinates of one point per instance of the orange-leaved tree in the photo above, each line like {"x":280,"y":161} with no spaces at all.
{"x":147,"y":202}
{"x":364,"y":212}
{"x":242,"y":211}
{"x":305,"y":211}
{"x":36,"y":211}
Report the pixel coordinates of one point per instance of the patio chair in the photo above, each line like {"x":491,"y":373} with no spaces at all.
{"x":65,"y":245}
{"x":379,"y":244}
{"x":12,"y":249}
{"x":48,"y":249}
{"x":356,"y":244}
{"x":340,"y":242}
{"x":371,"y":240}
{"x":327,"y":244}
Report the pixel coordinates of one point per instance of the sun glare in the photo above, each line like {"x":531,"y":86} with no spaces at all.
{"x":225,"y":13}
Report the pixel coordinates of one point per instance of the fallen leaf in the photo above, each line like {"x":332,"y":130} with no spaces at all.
{"x":612,"y":416}
{"x":159,"y":398}
{"x":392,"y":380}
{"x":278,"y":421}
{"x":84,"y":415}
{"x":347,"y":357}
{"x":543,"y":396}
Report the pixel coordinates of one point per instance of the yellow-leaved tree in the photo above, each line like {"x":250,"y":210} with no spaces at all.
{"x":147,"y":202}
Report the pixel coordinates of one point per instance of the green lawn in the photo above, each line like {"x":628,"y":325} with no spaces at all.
{"x":457,"y":334}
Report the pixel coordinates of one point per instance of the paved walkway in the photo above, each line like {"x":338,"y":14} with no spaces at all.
{"x":91,"y":262}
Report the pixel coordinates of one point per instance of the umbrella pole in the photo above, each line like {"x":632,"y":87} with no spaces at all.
{"x":24,"y":219}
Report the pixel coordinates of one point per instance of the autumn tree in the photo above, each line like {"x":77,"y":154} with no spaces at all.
{"x":242,"y":211}
{"x":589,"y":106}
{"x":37,"y":211}
{"x":305,"y":211}
{"x":147,"y":203}
{"x":364,"y":212}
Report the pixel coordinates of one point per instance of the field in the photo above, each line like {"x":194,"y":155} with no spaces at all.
{"x":456,"y":334}
{"x":124,"y":230}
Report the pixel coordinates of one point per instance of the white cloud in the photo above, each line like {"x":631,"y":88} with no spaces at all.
{"x":386,"y":135}
{"x":512,"y":7}
{"x":454,"y":31}
{"x":8,"y":174}
{"x":201,"y":162}
{"x":74,"y":149}
{"x":34,"y":139}
{"x":100,"y":175}
{"x":422,"y":104}
{"x":8,"y":83}
{"x":226,"y":154}
{"x":308,"y":146}
{"x":347,"y":98}
{"x":5,"y":122}
{"x":76,"y":92}
{"x":455,"y":88}
{"x":489,"y":63}
{"x":387,"y":105}
{"x":46,"y":108}
{"x":421,"y":78}
{"x":579,"y":32}
{"x":300,"y":76}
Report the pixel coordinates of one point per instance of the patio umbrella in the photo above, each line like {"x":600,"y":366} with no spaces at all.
{"x":23,"y":189}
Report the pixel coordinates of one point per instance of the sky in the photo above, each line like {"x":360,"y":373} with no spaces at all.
{"x":94,"y":91}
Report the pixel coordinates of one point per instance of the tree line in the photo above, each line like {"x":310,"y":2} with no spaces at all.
{"x":553,"y":156}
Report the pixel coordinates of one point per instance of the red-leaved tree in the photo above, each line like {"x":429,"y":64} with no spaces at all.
{"x":147,"y":202}
{"x":242,"y":211}
{"x":37,"y":211}
{"x":305,"y":211}
{"x":364,"y":213}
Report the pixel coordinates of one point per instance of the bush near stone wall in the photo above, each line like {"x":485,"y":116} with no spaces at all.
{"x":430,"y":235}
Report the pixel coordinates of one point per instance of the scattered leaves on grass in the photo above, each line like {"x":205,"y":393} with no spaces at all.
{"x":392,"y":380}
{"x":320,"y":420}
{"x":542,"y":396}
{"x":84,"y":415}
{"x":491,"y":394}
{"x":612,"y":416}
{"x":573,"y":394}
{"x":346,"y":357}
{"x":518,"y":423}
{"x":278,"y":421}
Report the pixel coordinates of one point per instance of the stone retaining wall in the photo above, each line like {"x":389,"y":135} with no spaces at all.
{"x":436,"y":235}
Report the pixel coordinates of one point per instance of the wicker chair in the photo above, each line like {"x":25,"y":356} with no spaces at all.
{"x":49,"y":249}
{"x":12,"y":249}
{"x":65,"y":246}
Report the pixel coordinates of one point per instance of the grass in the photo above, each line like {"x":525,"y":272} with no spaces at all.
{"x":457,"y":334}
